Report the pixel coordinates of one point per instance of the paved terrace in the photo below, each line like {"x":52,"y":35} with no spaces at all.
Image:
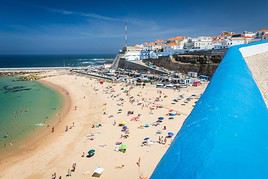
{"x":258,"y":65}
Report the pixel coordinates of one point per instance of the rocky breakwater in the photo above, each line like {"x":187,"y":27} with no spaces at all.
{"x":22,"y":75}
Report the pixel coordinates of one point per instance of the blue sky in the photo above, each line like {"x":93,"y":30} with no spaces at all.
{"x":90,"y":27}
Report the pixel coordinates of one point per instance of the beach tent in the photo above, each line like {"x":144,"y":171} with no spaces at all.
{"x":196,"y":83}
{"x":98,"y":172}
{"x":146,"y":125}
{"x":170,"y":134}
{"x":172,"y":113}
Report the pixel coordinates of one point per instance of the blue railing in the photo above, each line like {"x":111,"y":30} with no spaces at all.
{"x":226,"y":134}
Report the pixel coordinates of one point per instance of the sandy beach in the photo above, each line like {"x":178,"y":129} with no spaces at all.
{"x":94,"y":114}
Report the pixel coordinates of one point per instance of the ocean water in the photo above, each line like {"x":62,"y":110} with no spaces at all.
{"x":25,"y":106}
{"x":16,"y":61}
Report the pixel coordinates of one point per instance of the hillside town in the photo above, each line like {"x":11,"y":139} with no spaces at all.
{"x":182,"y":45}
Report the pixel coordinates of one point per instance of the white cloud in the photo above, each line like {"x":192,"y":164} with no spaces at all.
{"x":88,"y":15}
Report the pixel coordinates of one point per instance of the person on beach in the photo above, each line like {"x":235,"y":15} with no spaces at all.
{"x":66,"y":129}
{"x":54,"y":175}
{"x":73,"y":167}
{"x":83,"y":154}
{"x":139,"y":162}
{"x":165,"y":141}
{"x":69,"y":173}
{"x":161,"y":139}
{"x":52,"y":130}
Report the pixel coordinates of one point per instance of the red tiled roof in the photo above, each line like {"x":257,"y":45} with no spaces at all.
{"x":224,"y":34}
{"x":263,"y":30}
{"x":159,"y":41}
{"x":179,"y":38}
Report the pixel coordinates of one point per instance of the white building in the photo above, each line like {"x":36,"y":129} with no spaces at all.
{"x":227,"y":43}
{"x":262,"y":34}
{"x":189,"y":44}
{"x":172,"y":49}
{"x":234,"y":40}
{"x":199,"y":43}
{"x":146,"y":54}
{"x":203,"y":43}
{"x":249,"y":34}
{"x":218,"y":45}
{"x":238,"y":41}
{"x":133,"y":53}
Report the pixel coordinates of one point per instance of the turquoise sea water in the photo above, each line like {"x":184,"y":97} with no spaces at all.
{"x":24,"y":107}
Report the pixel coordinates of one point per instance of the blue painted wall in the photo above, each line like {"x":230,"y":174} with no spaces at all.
{"x":226,"y":134}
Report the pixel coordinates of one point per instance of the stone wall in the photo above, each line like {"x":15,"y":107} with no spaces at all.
{"x":184,"y":64}
{"x":124,"y":64}
{"x":202,"y":62}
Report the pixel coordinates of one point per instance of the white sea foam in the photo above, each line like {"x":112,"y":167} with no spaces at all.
{"x":40,"y":124}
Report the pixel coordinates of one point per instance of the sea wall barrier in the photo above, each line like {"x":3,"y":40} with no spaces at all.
{"x":226,"y":134}
{"x":94,"y":75}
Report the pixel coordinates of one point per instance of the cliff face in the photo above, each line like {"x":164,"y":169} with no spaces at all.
{"x":203,"y":64}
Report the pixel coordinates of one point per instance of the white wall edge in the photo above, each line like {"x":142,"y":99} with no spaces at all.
{"x":254,"y":50}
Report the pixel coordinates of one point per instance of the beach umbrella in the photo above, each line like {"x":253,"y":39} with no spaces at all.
{"x":161,"y":118}
{"x":122,"y":123}
{"x":91,"y":152}
{"x":124,"y":127}
{"x":123,"y":147}
{"x":170,"y":134}
{"x":172,"y":113}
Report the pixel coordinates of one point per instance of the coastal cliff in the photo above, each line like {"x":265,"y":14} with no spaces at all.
{"x":202,"y":63}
